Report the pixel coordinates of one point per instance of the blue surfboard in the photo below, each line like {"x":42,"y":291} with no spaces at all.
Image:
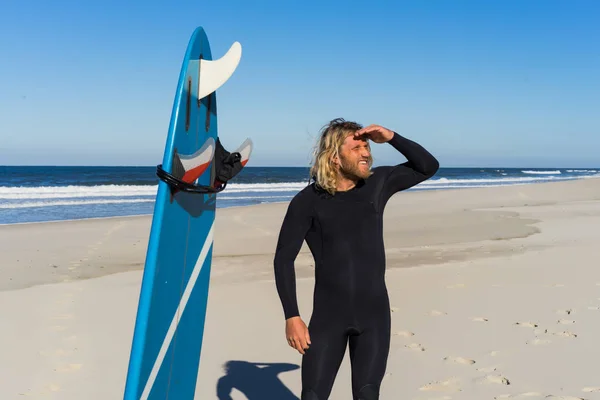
{"x":169,"y":328}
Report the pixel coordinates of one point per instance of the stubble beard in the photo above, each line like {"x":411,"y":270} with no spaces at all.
{"x":353,"y":171}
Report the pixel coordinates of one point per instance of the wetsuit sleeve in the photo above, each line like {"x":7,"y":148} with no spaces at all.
{"x":421,"y":165}
{"x":296,"y":223}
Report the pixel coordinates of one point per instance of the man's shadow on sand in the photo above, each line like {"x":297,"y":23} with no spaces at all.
{"x":257,"y":381}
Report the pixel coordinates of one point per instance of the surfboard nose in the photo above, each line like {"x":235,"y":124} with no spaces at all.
{"x":214,"y":73}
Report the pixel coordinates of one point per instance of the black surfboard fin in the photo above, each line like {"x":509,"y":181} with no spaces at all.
{"x":228,"y":164}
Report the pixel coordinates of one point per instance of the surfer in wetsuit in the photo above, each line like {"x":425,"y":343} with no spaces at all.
{"x":340,"y":215}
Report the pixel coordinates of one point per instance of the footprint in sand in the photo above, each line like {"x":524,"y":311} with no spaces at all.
{"x":456,"y":286}
{"x":52,"y":387}
{"x":553,"y":397}
{"x":62,"y":317}
{"x":404,"y":334}
{"x":527,"y":395}
{"x":565,"y":334}
{"x":591,"y":389}
{"x":565,"y":321}
{"x":448,"y":385}
{"x":415,"y":347}
{"x":69,"y":368}
{"x":459,"y":360}
{"x":594,"y":308}
{"x":436,"y":313}
{"x":479,"y":319}
{"x":539,"y":342}
{"x":63,"y":302}
{"x":527,"y":324}
{"x":58,"y":328}
{"x":486,"y":370}
{"x":434,"y":398}
{"x":493,"y":379}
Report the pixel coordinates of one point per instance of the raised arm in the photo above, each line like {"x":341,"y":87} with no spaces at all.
{"x":421,"y":165}
{"x":296,"y":224}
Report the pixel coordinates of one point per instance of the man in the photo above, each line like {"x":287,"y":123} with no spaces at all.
{"x":340,"y":215}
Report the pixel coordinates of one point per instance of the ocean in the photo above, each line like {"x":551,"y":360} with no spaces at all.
{"x":37,"y":194}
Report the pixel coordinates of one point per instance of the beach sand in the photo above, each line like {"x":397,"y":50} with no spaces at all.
{"x":496,"y":295}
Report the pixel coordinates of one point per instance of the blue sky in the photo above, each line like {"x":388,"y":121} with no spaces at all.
{"x":504,"y":83}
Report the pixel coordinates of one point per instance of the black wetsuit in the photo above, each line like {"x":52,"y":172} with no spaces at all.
{"x":345,"y":235}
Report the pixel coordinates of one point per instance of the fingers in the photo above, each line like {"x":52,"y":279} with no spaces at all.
{"x":300,"y":343}
{"x":294,"y":343}
{"x":367,"y":129}
{"x":297,"y":335}
{"x":303,"y":346}
{"x":358,"y":135}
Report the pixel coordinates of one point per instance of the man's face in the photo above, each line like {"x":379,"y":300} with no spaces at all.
{"x":354,"y":158}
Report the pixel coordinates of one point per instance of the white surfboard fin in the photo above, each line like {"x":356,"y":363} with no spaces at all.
{"x":214,"y":73}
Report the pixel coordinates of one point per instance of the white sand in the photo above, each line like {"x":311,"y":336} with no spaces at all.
{"x":496,"y":295}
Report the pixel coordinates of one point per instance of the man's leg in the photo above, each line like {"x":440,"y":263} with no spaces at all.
{"x":368,"y":357}
{"x":322,"y":360}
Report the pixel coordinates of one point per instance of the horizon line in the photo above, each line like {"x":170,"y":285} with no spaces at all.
{"x":276,"y":166}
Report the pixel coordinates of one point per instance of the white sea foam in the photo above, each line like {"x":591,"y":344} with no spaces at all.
{"x":438,"y":181}
{"x":65,"y":192}
{"x":536,"y":172}
{"x":265,"y":187}
{"x":255,"y":197}
{"x":35,"y":204}
{"x":46,"y":196}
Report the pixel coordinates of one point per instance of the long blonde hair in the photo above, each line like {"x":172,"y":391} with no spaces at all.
{"x":331,"y":138}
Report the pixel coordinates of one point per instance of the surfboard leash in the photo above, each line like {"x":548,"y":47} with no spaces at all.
{"x":177,"y":184}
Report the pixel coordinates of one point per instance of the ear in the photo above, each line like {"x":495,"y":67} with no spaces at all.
{"x":335,"y":159}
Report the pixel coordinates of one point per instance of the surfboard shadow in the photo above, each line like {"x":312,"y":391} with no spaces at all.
{"x":257,"y":381}
{"x":195,"y":204}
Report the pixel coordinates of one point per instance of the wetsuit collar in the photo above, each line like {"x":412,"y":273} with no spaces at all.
{"x":325,"y":193}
